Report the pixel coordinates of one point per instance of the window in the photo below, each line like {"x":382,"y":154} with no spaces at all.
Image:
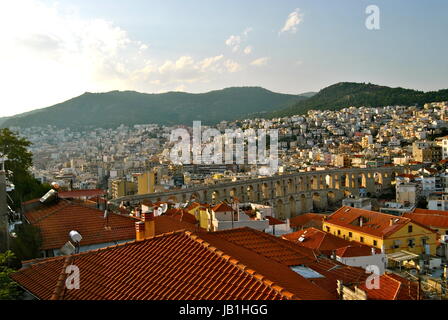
{"x":411,"y":243}
{"x":339,"y":232}
{"x":361,"y":239}
{"x":351,"y":234}
{"x":375,"y":243}
{"x":328,"y":229}
{"x":409,"y":229}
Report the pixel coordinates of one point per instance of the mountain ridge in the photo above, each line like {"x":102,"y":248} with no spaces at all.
{"x":109,"y":109}
{"x":353,"y":94}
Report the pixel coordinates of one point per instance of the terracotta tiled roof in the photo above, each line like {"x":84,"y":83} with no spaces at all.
{"x":434,"y":212}
{"x":81,"y":193}
{"x":377,"y":224}
{"x":164,"y":224}
{"x":268,"y":261}
{"x":305,"y":219}
{"x":393,"y":287}
{"x":429,"y":220}
{"x":274,"y":221}
{"x":222,"y":207}
{"x":317,"y":240}
{"x":267,"y":245}
{"x":289,"y":254}
{"x":181,"y":215}
{"x":177,"y":266}
{"x":57,"y":220}
{"x":356,"y":250}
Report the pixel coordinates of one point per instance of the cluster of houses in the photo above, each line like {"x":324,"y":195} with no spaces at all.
{"x":230,"y":251}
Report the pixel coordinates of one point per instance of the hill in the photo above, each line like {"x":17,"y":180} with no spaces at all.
{"x":129,"y":108}
{"x":346,"y":94}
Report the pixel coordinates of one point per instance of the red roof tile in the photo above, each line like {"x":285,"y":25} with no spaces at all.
{"x":164,"y":224}
{"x":356,"y":250}
{"x":57,"y":220}
{"x":393,"y":287}
{"x":307,"y":220}
{"x":81,"y":193}
{"x":316,"y":239}
{"x":434,"y":212}
{"x":182,"y":215}
{"x":177,"y":266}
{"x":429,"y":220}
{"x":274,"y":221}
{"x":223,"y":207}
{"x":376,"y":224}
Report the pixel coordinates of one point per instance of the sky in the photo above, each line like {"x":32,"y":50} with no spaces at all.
{"x":53,"y":51}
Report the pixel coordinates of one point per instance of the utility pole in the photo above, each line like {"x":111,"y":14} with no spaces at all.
{"x":4,"y":223}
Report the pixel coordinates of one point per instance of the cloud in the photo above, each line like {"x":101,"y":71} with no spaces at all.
{"x":234,"y":41}
{"x":294,"y":19}
{"x":64,"y":55}
{"x":232,"y":66}
{"x":247,"y":31}
{"x":260,"y":62}
{"x":248,"y":50}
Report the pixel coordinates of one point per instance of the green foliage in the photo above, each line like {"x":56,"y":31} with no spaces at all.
{"x":19,"y":162}
{"x":347,"y":94}
{"x":8,"y":288}
{"x":115,"y":108}
{"x":27,"y":243}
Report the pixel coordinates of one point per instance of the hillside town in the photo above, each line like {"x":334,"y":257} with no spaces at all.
{"x":359,"y":192}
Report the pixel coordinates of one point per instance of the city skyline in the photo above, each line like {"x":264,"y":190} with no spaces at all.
{"x":70,"y":47}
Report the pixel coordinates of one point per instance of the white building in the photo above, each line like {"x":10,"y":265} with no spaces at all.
{"x":363,"y":257}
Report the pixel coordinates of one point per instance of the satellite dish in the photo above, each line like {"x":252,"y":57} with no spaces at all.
{"x":164,"y":207}
{"x":75,"y":236}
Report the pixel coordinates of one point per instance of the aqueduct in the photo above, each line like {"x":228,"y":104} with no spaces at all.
{"x":290,"y":194}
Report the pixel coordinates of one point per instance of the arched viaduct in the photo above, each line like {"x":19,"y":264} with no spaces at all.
{"x":291,"y":194}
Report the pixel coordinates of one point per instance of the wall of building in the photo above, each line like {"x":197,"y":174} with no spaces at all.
{"x":401,"y":235}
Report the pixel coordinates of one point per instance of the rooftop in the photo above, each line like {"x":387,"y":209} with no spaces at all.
{"x":369,"y":222}
{"x":316,"y":239}
{"x":429,"y":220}
{"x":57,"y":220}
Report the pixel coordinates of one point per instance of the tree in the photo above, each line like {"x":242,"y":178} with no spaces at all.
{"x":8,"y":288}
{"x":19,"y":162}
{"x":27,"y":242}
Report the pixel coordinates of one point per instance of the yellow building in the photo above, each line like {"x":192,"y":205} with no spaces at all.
{"x":121,"y":188}
{"x":434,"y":219}
{"x":381,"y":230}
{"x":147,"y":182}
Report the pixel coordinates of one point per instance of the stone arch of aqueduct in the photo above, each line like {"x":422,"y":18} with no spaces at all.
{"x":291,"y":194}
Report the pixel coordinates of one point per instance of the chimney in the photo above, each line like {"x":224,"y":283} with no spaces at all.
{"x":391,"y":222}
{"x":140,"y":231}
{"x":150,"y":228}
